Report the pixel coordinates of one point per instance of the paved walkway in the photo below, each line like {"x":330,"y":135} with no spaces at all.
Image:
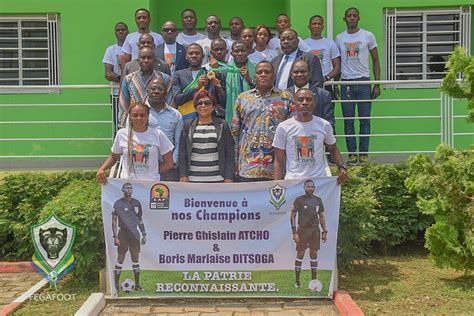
{"x":231,"y":307}
{"x":12,"y":285}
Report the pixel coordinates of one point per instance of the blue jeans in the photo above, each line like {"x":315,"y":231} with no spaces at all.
{"x":357,"y":92}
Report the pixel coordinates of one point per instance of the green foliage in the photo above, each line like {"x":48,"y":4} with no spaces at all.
{"x":398,"y":218}
{"x":79,"y":204}
{"x":459,"y":62}
{"x":356,"y":221}
{"x":377,"y":212}
{"x":22,"y":196}
{"x":445,"y":190}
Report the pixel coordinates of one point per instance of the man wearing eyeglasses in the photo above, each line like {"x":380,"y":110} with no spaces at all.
{"x":173,"y":53}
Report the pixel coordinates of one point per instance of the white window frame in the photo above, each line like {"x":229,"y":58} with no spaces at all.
{"x":53,"y":35}
{"x":391,"y":14}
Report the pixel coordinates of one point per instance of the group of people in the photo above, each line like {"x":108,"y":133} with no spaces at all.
{"x":189,"y":62}
{"x":249,"y":107}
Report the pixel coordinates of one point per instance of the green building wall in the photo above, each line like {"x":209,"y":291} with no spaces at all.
{"x":86,"y":29}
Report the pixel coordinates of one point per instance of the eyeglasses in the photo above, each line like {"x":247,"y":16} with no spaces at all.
{"x":167,"y":30}
{"x":204,"y":103}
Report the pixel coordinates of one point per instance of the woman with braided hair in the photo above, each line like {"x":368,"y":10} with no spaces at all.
{"x":141,"y":147}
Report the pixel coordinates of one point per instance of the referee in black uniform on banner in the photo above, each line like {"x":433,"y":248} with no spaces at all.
{"x":310,"y":212}
{"x":126,"y":216}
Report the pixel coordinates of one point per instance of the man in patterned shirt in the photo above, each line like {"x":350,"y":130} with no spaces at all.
{"x":134,"y":85}
{"x":310,"y":210}
{"x":257,"y":115}
{"x":127,"y":215}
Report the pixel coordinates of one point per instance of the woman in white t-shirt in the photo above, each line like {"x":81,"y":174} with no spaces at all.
{"x":261,"y":53}
{"x":141,"y":147}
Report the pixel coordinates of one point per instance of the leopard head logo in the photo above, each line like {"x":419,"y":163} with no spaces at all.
{"x":53,"y":241}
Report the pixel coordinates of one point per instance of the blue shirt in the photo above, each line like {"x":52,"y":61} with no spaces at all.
{"x":170,"y":122}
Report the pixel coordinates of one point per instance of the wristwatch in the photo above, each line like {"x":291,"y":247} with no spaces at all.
{"x":343,"y":166}
{"x":327,"y":78}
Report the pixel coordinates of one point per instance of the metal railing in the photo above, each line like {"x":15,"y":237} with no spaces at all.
{"x":445,"y":115}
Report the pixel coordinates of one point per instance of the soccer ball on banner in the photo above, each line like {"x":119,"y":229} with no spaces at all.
{"x":315,"y":286}
{"x":128,"y":285}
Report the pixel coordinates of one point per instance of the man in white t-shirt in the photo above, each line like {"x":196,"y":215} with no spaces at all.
{"x":189,"y":34}
{"x":282,"y":23}
{"x":301,"y":139}
{"x":356,"y":45}
{"x":173,"y":53}
{"x":113,"y":69}
{"x":130,"y":46}
{"x":325,"y":49}
{"x":236,"y":25}
{"x":213,"y":28}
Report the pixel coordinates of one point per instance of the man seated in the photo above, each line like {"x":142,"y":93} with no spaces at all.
{"x":187,"y":81}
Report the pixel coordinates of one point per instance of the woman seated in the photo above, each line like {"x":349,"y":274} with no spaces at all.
{"x":206,"y":148}
{"x":141,"y":147}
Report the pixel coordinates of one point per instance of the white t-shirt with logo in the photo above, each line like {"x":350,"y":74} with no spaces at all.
{"x":111,"y":57}
{"x":130,"y":46}
{"x":303,"y":143}
{"x":326,"y":50}
{"x":170,"y":55}
{"x":355,"y":49}
{"x":146,"y":147}
{"x":185,"y":40}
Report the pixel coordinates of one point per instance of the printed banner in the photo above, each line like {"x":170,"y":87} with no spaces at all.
{"x":228,"y":240}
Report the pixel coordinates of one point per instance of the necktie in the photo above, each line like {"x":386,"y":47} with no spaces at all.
{"x":280,"y":71}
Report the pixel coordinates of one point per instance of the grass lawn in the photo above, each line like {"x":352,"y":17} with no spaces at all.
{"x":408,"y":284}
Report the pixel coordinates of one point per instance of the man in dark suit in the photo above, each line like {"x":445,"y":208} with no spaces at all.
{"x":183,"y":89}
{"x":173,"y":53}
{"x":300,"y":74}
{"x":283,"y":62}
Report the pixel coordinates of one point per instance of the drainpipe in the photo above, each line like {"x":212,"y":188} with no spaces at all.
{"x":329,"y":19}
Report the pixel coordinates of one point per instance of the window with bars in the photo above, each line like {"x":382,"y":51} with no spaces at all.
{"x":29,"y":51}
{"x":418,"y":42}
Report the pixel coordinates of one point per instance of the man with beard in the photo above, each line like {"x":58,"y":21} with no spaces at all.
{"x":184,"y":83}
